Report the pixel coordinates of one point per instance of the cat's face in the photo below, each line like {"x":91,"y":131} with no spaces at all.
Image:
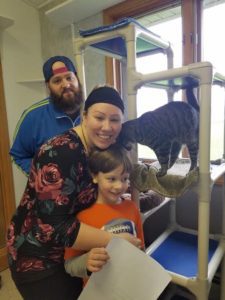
{"x":127,"y":135}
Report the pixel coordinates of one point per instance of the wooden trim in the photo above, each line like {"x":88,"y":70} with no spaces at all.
{"x":112,"y":66}
{"x":3,"y":259}
{"x":5,"y":161}
{"x":191,"y":12}
{"x":6,"y":181}
{"x":129,"y":8}
{"x":191,"y":24}
{"x":133,"y":8}
{"x":199,"y":16}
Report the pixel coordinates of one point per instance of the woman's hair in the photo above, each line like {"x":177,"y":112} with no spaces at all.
{"x":104,"y":94}
{"x":109,"y":159}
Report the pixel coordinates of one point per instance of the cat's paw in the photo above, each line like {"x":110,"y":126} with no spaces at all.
{"x":161,"y":172}
{"x":193,"y":167}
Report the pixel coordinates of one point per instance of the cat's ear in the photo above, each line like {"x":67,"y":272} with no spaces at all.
{"x":128,"y":146}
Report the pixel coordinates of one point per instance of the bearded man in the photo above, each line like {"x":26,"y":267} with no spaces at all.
{"x":51,"y":116}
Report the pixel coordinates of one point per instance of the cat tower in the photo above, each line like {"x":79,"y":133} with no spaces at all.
{"x":202,"y":252}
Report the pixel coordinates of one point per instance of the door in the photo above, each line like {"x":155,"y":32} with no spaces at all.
{"x":7,"y":198}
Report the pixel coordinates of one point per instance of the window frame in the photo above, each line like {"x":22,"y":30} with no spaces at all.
{"x":191,"y":12}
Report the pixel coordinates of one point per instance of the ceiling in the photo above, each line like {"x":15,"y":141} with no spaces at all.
{"x":66,"y":12}
{"x":38,"y":3}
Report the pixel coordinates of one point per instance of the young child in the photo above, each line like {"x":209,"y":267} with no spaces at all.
{"x":110,"y":170}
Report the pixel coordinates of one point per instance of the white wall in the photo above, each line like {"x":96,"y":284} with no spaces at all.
{"x":21,"y":59}
{"x":55,"y":40}
{"x":94,"y":62}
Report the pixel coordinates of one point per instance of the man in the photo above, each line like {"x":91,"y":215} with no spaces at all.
{"x":51,"y":116}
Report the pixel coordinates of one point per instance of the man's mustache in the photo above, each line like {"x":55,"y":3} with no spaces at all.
{"x":66,"y":90}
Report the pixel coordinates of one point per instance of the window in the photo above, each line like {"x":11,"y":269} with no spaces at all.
{"x":213,"y":51}
{"x":168,"y":26}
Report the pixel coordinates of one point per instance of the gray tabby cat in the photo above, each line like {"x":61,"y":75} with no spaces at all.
{"x":165,"y":130}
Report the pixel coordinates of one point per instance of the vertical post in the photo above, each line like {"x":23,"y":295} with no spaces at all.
{"x":204,"y":186}
{"x":79,"y":58}
{"x":222,"y":281}
{"x":131,"y":69}
{"x":131,"y":92}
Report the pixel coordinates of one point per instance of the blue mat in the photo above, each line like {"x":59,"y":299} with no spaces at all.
{"x":178,"y":253}
{"x":117,"y":45}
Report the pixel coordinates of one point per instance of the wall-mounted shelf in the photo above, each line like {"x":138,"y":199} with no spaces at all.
{"x":27,"y":81}
{"x":5,"y":22}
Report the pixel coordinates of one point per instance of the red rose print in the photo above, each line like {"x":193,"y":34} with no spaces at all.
{"x":48,"y":182}
{"x":86,"y":195}
{"x":56,"y":254}
{"x":26,"y":201}
{"x":27,"y":225}
{"x":11,"y":240}
{"x":60,"y":140}
{"x":44,"y":232}
{"x":62,"y":200}
{"x":29,"y":264}
{"x":73,"y":146}
{"x":72,"y":227}
{"x":56,"y":141}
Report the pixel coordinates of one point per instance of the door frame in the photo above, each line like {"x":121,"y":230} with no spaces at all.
{"x":6,"y":174}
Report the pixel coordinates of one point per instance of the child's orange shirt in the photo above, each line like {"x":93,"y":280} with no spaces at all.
{"x":116,"y":218}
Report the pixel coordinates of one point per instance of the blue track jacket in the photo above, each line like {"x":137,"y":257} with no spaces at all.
{"x":37,"y":124}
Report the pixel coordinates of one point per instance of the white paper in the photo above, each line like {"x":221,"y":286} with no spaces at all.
{"x":130,"y":274}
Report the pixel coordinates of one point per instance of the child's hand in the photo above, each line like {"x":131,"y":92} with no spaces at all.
{"x":97,"y":258}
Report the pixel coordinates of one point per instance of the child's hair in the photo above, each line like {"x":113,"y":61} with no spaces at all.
{"x":109,"y":159}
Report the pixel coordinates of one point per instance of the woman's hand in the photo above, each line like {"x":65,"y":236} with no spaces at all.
{"x":96,"y":259}
{"x":130,"y":238}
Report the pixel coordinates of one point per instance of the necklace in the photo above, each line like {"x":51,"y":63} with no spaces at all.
{"x":84,"y":139}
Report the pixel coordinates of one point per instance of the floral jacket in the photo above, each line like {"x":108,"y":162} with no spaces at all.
{"x":58,"y":187}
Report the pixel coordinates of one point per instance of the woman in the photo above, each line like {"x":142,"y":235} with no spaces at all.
{"x":59,"y":186}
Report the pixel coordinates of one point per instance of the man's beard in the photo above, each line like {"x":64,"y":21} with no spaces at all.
{"x":68,"y":104}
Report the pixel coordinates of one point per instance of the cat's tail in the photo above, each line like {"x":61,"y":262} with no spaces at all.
{"x":191,"y":99}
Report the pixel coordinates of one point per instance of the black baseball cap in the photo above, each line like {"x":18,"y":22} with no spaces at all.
{"x":49,"y":72}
